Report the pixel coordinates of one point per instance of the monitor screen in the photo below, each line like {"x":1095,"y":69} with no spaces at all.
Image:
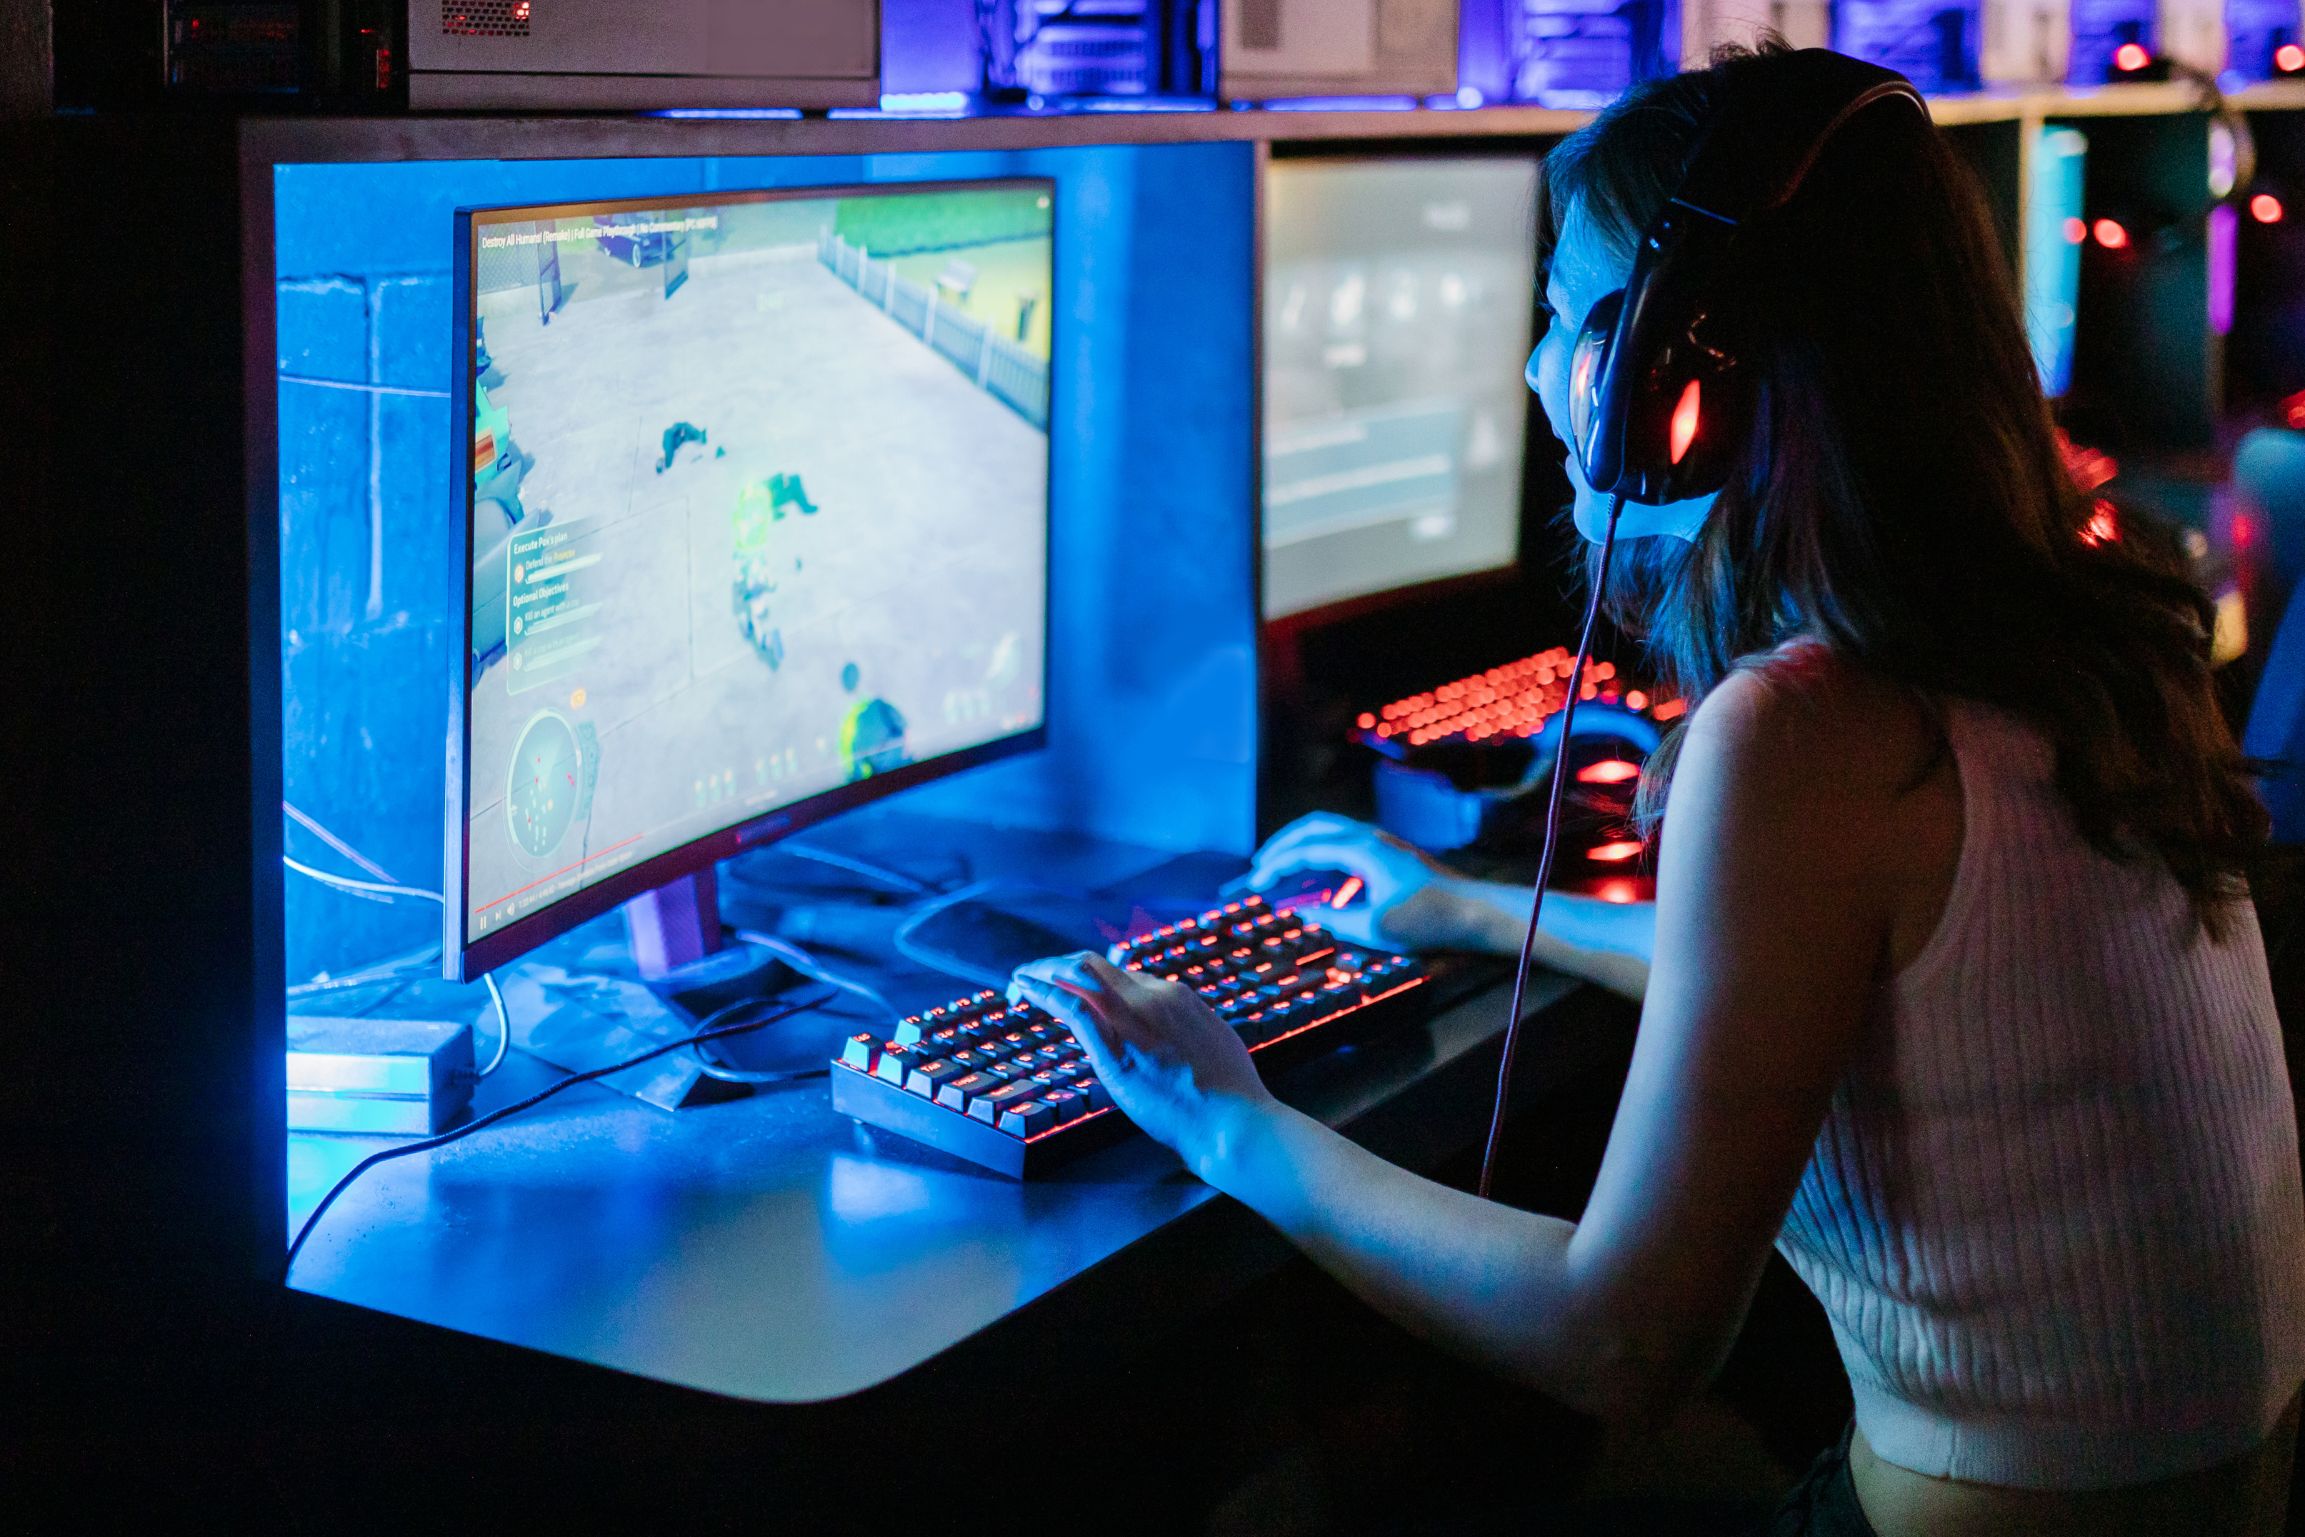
{"x":758,"y":526}
{"x":1399,"y":298}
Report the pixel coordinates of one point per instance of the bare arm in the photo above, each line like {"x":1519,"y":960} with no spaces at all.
{"x":1770,"y":933}
{"x":1411,"y":901}
{"x":1609,"y":943}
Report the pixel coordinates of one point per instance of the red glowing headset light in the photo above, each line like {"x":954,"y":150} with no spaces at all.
{"x":2131,"y":57}
{"x":2110,"y":234}
{"x":1684,"y":431}
{"x":2289,"y":58}
{"x":2265,"y":208}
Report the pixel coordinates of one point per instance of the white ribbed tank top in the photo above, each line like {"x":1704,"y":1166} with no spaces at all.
{"x":2054,"y":1212}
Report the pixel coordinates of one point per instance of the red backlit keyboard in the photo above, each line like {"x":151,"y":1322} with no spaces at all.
{"x":1513,"y":700}
{"x":1006,"y":1085}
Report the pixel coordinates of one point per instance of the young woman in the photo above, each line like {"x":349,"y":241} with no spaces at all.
{"x":1954,"y":994}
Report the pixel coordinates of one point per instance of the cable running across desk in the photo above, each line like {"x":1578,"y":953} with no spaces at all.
{"x":426,"y":1144}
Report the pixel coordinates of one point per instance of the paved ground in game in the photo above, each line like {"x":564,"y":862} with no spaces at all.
{"x":923,"y":565}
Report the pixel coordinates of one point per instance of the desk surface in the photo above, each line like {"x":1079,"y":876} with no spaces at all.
{"x":766,"y":1249}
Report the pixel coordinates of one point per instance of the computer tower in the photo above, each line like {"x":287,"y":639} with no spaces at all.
{"x":1285,"y":48}
{"x":579,"y":54}
{"x":2193,"y":33}
{"x":1706,"y":24}
{"x":2027,"y":42}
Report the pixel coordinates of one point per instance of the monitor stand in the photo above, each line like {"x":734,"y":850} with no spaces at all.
{"x":676,"y":925}
{"x":685,"y":974}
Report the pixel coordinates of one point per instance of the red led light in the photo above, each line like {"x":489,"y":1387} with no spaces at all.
{"x":2101,"y":527}
{"x":2293,"y":410}
{"x":1609,"y":771}
{"x":2131,"y":57}
{"x":2089,"y":467}
{"x":2265,"y":208}
{"x":2076,"y":231}
{"x":2244,"y":531}
{"x":1345,"y":893}
{"x":1618,"y":891}
{"x":2110,"y":234}
{"x":1684,"y":426}
{"x":1613,"y":853}
{"x":2289,"y":58}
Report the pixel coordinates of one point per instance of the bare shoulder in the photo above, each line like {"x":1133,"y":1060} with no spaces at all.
{"x":1805,"y":714}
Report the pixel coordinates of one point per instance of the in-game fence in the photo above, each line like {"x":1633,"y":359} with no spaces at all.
{"x":1000,"y":367}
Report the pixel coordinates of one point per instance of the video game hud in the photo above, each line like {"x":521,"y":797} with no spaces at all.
{"x":759,"y":508}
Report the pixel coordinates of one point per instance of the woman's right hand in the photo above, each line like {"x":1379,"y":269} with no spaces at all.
{"x":1407,"y":902}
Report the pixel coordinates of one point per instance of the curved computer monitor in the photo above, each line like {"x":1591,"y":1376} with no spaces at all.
{"x":1399,"y":302}
{"x":756,"y":523}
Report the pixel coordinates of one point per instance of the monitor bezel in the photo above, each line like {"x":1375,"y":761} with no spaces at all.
{"x":464,"y":957}
{"x":1535,"y":432}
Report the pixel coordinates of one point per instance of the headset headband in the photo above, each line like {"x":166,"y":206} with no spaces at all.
{"x":1758,"y":148}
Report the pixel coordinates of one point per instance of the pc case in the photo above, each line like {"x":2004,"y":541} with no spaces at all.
{"x":2027,"y":42}
{"x":1707,"y":24}
{"x":1041,"y":51}
{"x":1582,"y":53}
{"x":1933,"y":43}
{"x":2193,"y":33}
{"x":1284,"y":48}
{"x":610,"y":54}
{"x":2256,"y":31}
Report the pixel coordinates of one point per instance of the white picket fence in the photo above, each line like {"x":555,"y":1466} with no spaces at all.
{"x":999,"y":366}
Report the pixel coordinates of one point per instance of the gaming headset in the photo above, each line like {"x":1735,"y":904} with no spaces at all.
{"x":1659,"y":402}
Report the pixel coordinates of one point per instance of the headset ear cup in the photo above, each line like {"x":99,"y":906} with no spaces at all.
{"x":1710,"y":419}
{"x":1599,"y":443}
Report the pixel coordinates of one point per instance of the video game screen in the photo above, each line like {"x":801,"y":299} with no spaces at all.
{"x":759,"y":509}
{"x":1399,"y":303}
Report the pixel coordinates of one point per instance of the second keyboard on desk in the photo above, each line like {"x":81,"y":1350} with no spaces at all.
{"x":1006,"y":1085}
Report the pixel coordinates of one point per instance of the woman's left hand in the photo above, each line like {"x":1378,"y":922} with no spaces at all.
{"x":1171,"y":1065}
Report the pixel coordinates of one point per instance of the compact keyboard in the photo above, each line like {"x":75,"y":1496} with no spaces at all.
{"x":1006,"y":1086}
{"x":1509,"y":702}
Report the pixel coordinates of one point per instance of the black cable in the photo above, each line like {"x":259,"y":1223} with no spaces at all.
{"x":1552,"y":843}
{"x":712,"y":1067}
{"x":887,"y":875}
{"x":288,"y":1266}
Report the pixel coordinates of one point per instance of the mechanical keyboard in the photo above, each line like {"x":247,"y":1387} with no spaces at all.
{"x":1513,"y":700}
{"x":1008,"y":1087}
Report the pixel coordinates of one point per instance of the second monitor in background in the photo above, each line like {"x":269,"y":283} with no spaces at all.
{"x":1399,"y":309}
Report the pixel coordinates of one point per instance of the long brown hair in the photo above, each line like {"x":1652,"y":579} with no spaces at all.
{"x":1902,"y":497}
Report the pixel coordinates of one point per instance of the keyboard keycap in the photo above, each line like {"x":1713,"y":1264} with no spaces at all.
{"x":929,"y":1075}
{"x":1014,"y":1090}
{"x":895,"y":1062}
{"x":1028,"y":1118}
{"x":958,"y":1093}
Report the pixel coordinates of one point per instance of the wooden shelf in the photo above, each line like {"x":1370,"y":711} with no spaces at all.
{"x":428,"y":137}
